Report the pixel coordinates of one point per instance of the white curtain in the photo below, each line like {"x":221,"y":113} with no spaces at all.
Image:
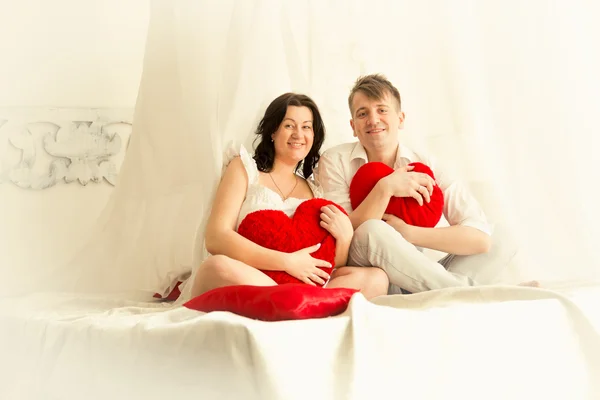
{"x":505,"y":93}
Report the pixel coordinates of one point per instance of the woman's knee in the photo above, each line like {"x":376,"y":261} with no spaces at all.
{"x":371,"y":281}
{"x":378,"y":280}
{"x":217,"y":264}
{"x":212,"y":270}
{"x":379,"y":276}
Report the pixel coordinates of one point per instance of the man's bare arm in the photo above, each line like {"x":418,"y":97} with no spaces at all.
{"x":373,"y":206}
{"x":457,"y":239}
{"x":401,"y":183}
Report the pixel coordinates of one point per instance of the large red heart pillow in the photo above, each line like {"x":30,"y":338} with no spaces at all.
{"x":274,"y":303}
{"x":405,"y":208}
{"x":276,"y":231}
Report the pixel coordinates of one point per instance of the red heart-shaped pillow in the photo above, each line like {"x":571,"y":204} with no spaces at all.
{"x":274,"y":303}
{"x":405,"y":208}
{"x":276,"y":231}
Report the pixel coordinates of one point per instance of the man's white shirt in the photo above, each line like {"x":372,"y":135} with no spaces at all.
{"x":338,"y":165}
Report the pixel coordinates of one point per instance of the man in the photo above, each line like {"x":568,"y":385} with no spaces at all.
{"x":386,"y":241}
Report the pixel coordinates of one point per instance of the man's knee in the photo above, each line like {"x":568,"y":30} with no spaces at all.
{"x":378,"y":235}
{"x":371,"y":225}
{"x":373,"y":229}
{"x":375,"y":239}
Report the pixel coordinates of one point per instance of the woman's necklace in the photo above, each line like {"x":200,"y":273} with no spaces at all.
{"x":284,"y":197}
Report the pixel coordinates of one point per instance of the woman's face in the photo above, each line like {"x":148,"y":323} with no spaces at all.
{"x":294,"y":137}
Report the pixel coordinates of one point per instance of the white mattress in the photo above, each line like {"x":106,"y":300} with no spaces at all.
{"x":475,"y":343}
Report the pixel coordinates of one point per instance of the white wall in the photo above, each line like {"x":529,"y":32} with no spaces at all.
{"x":65,"y":54}
{"x":72,"y":52}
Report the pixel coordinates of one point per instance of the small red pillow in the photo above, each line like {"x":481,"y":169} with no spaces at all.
{"x":275,"y":303}
{"x":405,"y":208}
{"x":276,"y":231}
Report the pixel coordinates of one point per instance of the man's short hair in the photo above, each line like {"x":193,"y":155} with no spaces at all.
{"x":375,"y":87}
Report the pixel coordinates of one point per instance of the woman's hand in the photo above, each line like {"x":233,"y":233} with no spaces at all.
{"x":337,"y":223}
{"x":301,"y":265}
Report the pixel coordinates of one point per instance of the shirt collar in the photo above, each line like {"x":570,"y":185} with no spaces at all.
{"x":404,"y":153}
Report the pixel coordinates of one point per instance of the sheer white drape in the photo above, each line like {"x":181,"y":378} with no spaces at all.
{"x":503,"y":92}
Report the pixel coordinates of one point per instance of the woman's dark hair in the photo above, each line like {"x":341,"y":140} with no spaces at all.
{"x":264,"y":155}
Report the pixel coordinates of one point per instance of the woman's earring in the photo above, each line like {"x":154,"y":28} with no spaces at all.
{"x":272,"y":140}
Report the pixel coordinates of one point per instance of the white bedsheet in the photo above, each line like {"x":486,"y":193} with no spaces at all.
{"x":474,"y":343}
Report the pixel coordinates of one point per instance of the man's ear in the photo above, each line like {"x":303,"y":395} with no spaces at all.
{"x":352,"y":125}
{"x":401,"y":116}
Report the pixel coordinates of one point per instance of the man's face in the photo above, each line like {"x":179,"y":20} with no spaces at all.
{"x":376,"y":122}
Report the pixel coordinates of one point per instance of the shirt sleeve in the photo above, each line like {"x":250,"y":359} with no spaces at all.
{"x":315,"y":187}
{"x":460,"y":206}
{"x":329,"y":174}
{"x":234,"y":151}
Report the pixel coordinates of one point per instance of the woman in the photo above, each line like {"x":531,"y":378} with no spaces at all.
{"x":291,"y":134}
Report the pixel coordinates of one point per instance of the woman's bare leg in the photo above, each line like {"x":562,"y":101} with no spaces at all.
{"x":219,"y":271}
{"x":371,"y":281}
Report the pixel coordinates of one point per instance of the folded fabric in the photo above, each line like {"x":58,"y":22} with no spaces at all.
{"x":173,"y":294}
{"x":275,"y":303}
{"x":405,"y":208}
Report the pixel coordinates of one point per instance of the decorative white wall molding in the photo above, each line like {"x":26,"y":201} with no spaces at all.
{"x":41,"y":147}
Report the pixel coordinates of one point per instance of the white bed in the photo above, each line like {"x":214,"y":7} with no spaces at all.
{"x":470,"y":343}
{"x":474,"y":343}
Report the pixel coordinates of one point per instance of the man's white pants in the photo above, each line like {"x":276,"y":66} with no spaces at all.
{"x":377,"y":244}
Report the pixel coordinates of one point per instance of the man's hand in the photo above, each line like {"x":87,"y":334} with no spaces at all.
{"x":404,"y":183}
{"x":399,"y":225}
